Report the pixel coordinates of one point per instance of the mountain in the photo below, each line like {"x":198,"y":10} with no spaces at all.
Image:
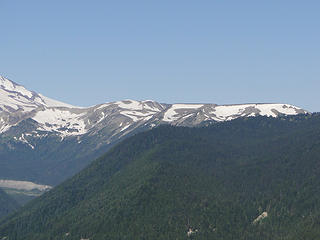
{"x":7,"y":204}
{"x":17,"y":104}
{"x":246,"y":179}
{"x":46,"y":141}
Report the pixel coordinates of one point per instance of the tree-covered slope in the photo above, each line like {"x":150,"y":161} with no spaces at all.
{"x":188,"y":183}
{"x":7,"y":204}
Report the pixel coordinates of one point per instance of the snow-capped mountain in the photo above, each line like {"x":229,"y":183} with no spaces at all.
{"x":18,"y":104}
{"x":43,"y":135}
{"x":15,"y":98}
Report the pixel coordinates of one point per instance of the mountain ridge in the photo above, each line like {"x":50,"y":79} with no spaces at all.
{"x":76,"y":135}
{"x":67,"y":120}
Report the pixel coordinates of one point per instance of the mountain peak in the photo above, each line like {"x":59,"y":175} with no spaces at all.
{"x":12,"y":87}
{"x":16,"y":98}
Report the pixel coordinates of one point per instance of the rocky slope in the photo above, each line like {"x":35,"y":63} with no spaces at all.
{"x":46,"y":141}
{"x":18,"y":104}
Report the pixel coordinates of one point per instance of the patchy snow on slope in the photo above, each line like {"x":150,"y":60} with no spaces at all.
{"x":18,"y":104}
{"x":102,"y":117}
{"x":171,"y":114}
{"x":137,"y":116}
{"x":22,"y":139}
{"x":60,"y":120}
{"x":13,"y":101}
{"x":4,"y":128}
{"x":23,"y":185}
{"x":125,"y":127}
{"x":139,"y":105}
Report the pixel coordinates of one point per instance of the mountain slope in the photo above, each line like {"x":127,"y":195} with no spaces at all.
{"x":217,"y":182}
{"x":18,"y":104}
{"x":46,"y":141}
{"x":7,"y":204}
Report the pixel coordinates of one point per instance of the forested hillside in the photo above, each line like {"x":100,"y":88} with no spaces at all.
{"x":7,"y":204}
{"x":247,"y":179}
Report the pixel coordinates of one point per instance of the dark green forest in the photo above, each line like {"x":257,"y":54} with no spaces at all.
{"x":212,"y":182}
{"x":7,"y":204}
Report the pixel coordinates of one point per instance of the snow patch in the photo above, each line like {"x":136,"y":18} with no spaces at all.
{"x":22,"y":139}
{"x":62,"y":121}
{"x":171,"y":114}
{"x":124,"y":128}
{"x":23,"y":185}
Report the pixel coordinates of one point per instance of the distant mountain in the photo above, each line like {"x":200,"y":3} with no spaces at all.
{"x":18,"y":104}
{"x":46,"y":141}
{"x":7,"y":204}
{"x":247,"y":179}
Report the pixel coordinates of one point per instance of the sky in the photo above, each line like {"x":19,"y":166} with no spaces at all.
{"x":172,"y":51}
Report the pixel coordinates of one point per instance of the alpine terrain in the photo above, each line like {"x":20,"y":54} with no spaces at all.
{"x":44,"y":141}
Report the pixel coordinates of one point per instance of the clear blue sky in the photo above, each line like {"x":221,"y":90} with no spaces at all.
{"x":227,"y":51}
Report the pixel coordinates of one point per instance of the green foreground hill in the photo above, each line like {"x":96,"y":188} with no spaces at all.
{"x":7,"y":204}
{"x":190,"y":183}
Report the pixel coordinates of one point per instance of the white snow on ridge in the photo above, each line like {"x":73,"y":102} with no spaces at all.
{"x":23,"y":185}
{"x":137,"y":105}
{"x":54,"y":103}
{"x":282,"y":108}
{"x":225,"y":112}
{"x":171,"y":114}
{"x":130,"y":105}
{"x":10,"y":86}
{"x":18,"y":97}
{"x":229,"y":112}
